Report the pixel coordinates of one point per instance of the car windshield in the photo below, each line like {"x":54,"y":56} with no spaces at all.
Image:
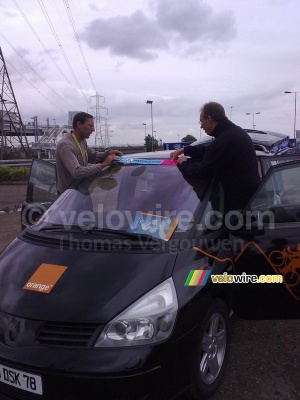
{"x":116,"y":197}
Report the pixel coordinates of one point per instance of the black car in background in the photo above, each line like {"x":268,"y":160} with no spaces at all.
{"x":295,"y":151}
{"x":264,"y":141}
{"x":110,"y":293}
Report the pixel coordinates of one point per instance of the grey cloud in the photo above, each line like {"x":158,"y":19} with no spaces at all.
{"x":93,"y":7}
{"x":10,"y":14}
{"x":134,"y":36}
{"x":22,"y":51}
{"x":192,"y":21}
{"x":52,"y":52}
{"x":191,"y":26}
{"x":118,"y":66}
{"x":23,"y":65}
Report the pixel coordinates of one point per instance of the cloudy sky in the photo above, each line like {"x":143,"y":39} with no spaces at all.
{"x":180,"y":54}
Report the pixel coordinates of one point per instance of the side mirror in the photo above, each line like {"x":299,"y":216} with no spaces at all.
{"x":31,"y":213}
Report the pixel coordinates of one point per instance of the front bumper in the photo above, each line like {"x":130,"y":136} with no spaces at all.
{"x":62,"y":386}
{"x":137,"y":373}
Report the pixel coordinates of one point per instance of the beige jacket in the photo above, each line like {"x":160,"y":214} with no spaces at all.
{"x":70,"y":164}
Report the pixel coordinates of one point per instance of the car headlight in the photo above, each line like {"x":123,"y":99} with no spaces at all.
{"x":149,"y":320}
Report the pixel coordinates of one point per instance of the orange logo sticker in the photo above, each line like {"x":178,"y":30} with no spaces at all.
{"x":44,"y":278}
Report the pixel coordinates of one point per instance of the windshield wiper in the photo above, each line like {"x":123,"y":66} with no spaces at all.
{"x":95,"y":230}
{"x":61,"y":228}
{"x":143,"y":236}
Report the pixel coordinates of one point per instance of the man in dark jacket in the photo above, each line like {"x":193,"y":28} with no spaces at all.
{"x":231,"y":157}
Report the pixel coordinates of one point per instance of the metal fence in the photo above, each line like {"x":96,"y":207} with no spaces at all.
{"x":20,"y":163}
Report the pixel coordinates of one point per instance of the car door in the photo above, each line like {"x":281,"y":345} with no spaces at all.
{"x":267,"y":242}
{"x":268,"y":161}
{"x":41,"y":191}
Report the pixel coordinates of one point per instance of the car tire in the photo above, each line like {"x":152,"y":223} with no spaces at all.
{"x":212,"y":350}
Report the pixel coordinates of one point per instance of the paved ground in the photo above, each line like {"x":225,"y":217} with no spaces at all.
{"x":11,"y":198}
{"x":264,"y":362}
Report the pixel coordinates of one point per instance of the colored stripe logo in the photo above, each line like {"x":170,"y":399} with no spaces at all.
{"x":197,"y":277}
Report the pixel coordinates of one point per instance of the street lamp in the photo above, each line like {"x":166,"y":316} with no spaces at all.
{"x":35,"y":123}
{"x":145,"y":136}
{"x":154,"y":140}
{"x":231,"y":112}
{"x":150,"y":102}
{"x":295,"y":117}
{"x":253,"y":117}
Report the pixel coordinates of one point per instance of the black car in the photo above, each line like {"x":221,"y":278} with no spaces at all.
{"x":111,"y":293}
{"x":264,"y":141}
{"x":290,"y":151}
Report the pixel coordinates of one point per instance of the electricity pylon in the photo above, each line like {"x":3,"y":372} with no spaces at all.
{"x":101,"y":137}
{"x":11,"y":125}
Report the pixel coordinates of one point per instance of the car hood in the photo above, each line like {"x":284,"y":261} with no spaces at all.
{"x":94,"y":287}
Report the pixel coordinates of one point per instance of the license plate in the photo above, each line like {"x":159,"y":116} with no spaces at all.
{"x":22,"y":380}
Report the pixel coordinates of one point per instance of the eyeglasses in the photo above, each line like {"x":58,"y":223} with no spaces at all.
{"x":204,"y":119}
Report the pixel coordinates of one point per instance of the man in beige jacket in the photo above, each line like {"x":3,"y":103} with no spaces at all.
{"x":74,"y":157}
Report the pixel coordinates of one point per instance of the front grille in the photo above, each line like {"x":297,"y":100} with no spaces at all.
{"x":57,"y":334}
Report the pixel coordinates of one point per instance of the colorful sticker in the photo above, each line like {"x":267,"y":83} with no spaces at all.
{"x":197,"y":277}
{"x":284,"y":262}
{"x":44,"y":278}
{"x":129,"y":160}
{"x":154,"y":225}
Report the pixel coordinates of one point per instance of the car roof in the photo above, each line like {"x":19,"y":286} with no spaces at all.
{"x":263,"y":138}
{"x":267,"y":140}
{"x":280,"y":135}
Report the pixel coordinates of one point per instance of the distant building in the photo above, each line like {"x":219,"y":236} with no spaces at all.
{"x":12,"y":126}
{"x":298,"y":138}
{"x":71,"y":116}
{"x":176,"y":145}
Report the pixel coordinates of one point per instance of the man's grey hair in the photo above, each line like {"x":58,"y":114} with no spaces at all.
{"x":213,"y":110}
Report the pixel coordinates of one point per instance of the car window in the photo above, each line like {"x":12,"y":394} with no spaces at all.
{"x":268,"y":162}
{"x":113,"y":199}
{"x":280,"y":195}
{"x":42,"y":183}
{"x":212,"y":218}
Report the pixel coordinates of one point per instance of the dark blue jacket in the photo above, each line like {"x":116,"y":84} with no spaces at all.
{"x":231,"y":157}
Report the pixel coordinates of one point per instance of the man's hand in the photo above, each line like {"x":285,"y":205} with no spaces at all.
{"x":175,"y":154}
{"x":116,"y":152}
{"x":181,"y":159}
{"x":109,"y":159}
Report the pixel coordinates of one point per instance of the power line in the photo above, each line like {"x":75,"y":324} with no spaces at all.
{"x":11,"y":64}
{"x":72,"y":22}
{"x":59,"y":44}
{"x":44,"y":47}
{"x":99,"y":140}
{"x":33,"y":70}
